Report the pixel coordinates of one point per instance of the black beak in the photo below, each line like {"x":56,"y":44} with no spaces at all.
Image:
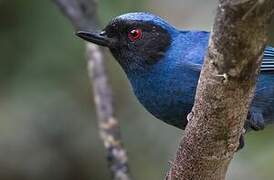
{"x":97,"y":38}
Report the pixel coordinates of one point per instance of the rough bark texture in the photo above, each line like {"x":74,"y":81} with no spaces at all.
{"x":225,"y":90}
{"x":82,"y":14}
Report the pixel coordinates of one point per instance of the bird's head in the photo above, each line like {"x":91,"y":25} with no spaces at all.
{"x":136,"y":40}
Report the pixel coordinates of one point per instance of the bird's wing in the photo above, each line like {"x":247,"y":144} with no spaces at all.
{"x":268,"y":60}
{"x":267,"y":65}
{"x":195,"y":67}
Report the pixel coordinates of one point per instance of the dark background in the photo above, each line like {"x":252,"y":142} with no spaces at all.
{"x":48,"y":128}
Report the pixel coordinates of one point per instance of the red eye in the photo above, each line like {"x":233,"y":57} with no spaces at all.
{"x":135,"y":34}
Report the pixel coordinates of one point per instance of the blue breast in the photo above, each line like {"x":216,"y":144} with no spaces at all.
{"x":167,"y":89}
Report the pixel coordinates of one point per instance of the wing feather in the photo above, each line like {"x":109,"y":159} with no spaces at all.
{"x":268,"y":60}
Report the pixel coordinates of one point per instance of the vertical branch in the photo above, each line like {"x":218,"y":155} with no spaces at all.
{"x":82,"y":14}
{"x":225,"y":90}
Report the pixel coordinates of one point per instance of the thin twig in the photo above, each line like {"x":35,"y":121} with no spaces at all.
{"x":82,"y":14}
{"x":108,"y":125}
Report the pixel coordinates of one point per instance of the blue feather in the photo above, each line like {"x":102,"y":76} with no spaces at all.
{"x":268,"y":60}
{"x":166,"y":86}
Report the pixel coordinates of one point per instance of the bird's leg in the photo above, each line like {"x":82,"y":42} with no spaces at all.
{"x":254,"y":121}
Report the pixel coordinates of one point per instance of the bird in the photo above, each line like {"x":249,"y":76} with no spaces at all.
{"x":163,"y":65}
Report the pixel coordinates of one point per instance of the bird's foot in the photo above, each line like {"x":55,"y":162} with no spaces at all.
{"x":255,"y":121}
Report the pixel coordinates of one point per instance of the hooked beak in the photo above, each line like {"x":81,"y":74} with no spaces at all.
{"x":97,"y":38}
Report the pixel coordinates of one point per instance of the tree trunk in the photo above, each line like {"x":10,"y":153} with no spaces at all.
{"x":225,"y":90}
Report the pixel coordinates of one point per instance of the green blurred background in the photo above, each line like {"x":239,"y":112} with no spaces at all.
{"x":48,"y":128}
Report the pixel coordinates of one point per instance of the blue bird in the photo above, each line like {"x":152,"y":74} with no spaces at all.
{"x":163,"y":65}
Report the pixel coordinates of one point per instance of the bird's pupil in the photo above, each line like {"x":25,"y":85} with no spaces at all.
{"x":135,"y":34}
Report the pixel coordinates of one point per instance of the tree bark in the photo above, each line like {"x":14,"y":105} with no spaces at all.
{"x":82,"y":15}
{"x":225,"y":90}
